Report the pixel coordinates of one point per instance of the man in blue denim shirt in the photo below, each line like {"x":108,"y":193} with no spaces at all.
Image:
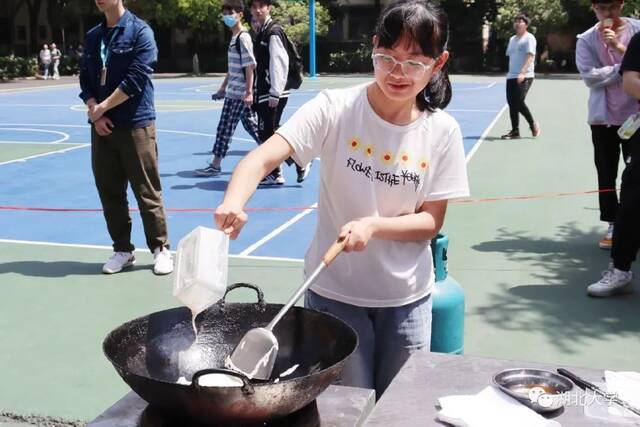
{"x":115,"y":78}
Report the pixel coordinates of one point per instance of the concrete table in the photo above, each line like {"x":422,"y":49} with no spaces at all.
{"x":412,"y":397}
{"x":337,"y":407}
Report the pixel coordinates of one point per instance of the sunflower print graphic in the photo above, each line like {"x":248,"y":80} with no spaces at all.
{"x":387,"y":158}
{"x":354,"y":144}
{"x":404,"y":158}
{"x":423,"y":164}
{"x":368,"y":150}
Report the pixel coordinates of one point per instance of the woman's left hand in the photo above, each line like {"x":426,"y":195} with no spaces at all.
{"x":358,"y":234}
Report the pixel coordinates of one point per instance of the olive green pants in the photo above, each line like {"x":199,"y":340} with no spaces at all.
{"x":129,"y":156}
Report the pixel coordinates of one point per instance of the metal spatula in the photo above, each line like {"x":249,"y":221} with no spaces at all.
{"x":256,"y":353}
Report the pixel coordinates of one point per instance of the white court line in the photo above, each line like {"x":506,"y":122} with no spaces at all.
{"x":24,"y":159}
{"x":140,"y":250}
{"x":35,"y":105}
{"x":278,"y":230}
{"x":484,"y":135}
{"x":37,"y":143}
{"x":472,"y":111}
{"x":182,"y":132}
{"x":65,"y":136}
{"x":465,"y":89}
{"x":36,"y":88}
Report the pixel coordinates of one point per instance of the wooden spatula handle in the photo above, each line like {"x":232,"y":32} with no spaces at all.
{"x":334,"y":250}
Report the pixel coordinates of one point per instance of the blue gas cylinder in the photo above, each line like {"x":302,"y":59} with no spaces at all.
{"x":447,"y":327}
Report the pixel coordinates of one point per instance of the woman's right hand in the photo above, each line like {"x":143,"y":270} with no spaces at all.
{"x":230,"y":219}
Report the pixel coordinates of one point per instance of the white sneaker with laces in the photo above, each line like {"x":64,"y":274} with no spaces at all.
{"x":274,"y":178}
{"x":118,"y":261}
{"x":613,"y":282}
{"x":163,"y":261}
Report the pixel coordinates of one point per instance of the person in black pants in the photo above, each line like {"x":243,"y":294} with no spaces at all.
{"x":626,"y":232}
{"x":522,"y":53}
{"x":599,"y":53}
{"x":272,"y":85}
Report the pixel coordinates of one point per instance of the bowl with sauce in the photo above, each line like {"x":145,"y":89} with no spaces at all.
{"x":543,"y":391}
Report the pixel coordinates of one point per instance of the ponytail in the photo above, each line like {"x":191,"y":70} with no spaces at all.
{"x":437,"y":94}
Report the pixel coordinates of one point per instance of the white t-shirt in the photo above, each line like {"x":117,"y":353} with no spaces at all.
{"x":518,"y":49}
{"x":370,"y":167}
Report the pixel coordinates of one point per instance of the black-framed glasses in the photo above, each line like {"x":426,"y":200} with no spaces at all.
{"x":410,"y":68}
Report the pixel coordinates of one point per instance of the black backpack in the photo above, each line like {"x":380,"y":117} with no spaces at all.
{"x":296,"y":68}
{"x":240,"y":52}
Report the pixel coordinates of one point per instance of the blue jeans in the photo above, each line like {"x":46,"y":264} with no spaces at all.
{"x":387,"y":337}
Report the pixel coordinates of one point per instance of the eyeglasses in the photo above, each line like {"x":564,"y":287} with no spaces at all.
{"x":410,"y":68}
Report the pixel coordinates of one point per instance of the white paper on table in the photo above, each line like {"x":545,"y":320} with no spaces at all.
{"x":627,"y":386}
{"x":489,"y":408}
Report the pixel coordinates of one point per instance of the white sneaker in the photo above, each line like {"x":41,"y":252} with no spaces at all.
{"x":118,"y":261}
{"x":613,"y":281}
{"x":163,"y":261}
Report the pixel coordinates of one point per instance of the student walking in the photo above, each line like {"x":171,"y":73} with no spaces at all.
{"x":521,"y":51}
{"x":55,"y":61}
{"x":272,"y":85}
{"x":45,"y":60}
{"x":236,"y":89}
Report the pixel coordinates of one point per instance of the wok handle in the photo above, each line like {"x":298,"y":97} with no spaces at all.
{"x":334,"y":250}
{"x":261,"y":302}
{"x":247,"y":387}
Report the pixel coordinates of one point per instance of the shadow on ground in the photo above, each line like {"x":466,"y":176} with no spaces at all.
{"x":556,"y":303}
{"x":51,"y":269}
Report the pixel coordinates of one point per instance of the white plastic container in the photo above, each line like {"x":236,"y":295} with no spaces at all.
{"x":201,"y":268}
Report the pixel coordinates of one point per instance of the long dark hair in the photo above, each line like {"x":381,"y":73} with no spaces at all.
{"x":426,"y":24}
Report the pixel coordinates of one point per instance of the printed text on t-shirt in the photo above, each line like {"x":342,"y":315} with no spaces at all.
{"x":405,"y":177}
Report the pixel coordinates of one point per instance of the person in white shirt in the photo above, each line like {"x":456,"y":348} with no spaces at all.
{"x":390,"y":161}
{"x":522,"y":57}
{"x":55,"y":61}
{"x":45,"y":60}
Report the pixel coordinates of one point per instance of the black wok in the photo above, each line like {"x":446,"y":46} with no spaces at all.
{"x":150,"y":354}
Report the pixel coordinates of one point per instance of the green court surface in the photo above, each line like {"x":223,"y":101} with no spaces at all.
{"x":524,"y":266}
{"x":12,"y":151}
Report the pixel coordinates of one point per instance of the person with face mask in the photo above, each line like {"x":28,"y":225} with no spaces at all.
{"x":599,"y":53}
{"x":236,"y":89}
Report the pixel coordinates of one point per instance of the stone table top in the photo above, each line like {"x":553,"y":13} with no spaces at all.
{"x":411,"y":399}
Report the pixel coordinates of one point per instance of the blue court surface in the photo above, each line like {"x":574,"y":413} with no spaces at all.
{"x":60,"y":180}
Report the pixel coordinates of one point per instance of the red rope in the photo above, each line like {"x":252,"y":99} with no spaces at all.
{"x":303,"y":208}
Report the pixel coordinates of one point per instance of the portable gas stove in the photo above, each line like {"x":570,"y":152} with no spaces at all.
{"x":337,"y":406}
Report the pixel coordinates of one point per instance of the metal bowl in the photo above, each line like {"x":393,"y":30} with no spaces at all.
{"x":542,"y":391}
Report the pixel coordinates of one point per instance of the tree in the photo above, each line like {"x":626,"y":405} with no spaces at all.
{"x":466,"y":18}
{"x":294,"y":18}
{"x":546,"y":15}
{"x":201,"y":17}
{"x":33,"y":10}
